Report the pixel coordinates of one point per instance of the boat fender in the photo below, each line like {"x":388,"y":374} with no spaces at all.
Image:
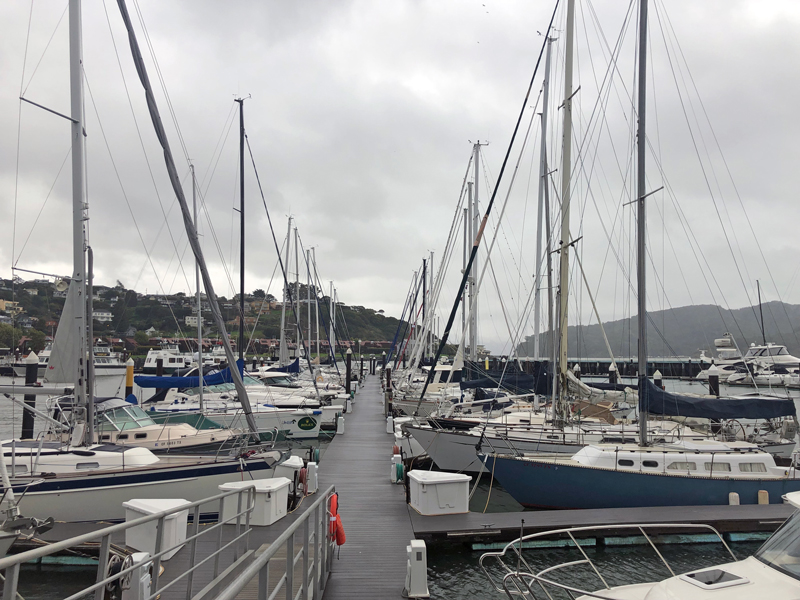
{"x":301,"y":478}
{"x":395,"y":449}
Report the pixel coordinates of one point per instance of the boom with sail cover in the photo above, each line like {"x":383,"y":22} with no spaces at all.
{"x":224,"y":376}
{"x":670,"y":404}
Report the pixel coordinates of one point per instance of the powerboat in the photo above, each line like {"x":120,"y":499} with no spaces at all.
{"x":772,"y":572}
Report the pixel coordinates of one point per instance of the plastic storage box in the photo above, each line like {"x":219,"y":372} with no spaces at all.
{"x":271,"y":498}
{"x":436,"y":493}
{"x":143,"y":537}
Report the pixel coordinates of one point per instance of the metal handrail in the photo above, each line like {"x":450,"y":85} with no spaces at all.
{"x":260,"y":566}
{"x":11,"y":564}
{"x":517,"y":575}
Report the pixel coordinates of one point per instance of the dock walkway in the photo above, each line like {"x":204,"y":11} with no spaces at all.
{"x":372,"y":563}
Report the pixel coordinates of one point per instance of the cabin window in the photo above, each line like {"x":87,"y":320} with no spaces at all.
{"x":105,"y":437}
{"x":87,"y":465}
{"x":650,"y":463}
{"x":717,"y":467}
{"x":17,"y":469}
{"x":624,"y":462}
{"x":682,"y":466}
{"x":755,"y":467}
{"x":122,"y":436}
{"x":140,"y":436}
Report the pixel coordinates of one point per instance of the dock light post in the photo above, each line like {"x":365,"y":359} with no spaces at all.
{"x":658,"y":380}
{"x":129,"y":377}
{"x":349,"y":356}
{"x":31,"y":373}
{"x":384,"y":360}
{"x":713,"y":380}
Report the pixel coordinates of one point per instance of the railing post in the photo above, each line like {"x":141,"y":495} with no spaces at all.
{"x":317,"y":551}
{"x":290,"y":567}
{"x":190,"y":576}
{"x":158,"y":548}
{"x":102,"y":565}
{"x":238,"y":525}
{"x":251,"y":500}
{"x":219,"y":539}
{"x":306,"y":533}
{"x":10,"y":585}
{"x":263,"y":582}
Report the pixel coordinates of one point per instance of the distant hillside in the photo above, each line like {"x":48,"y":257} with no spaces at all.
{"x":35,"y":306}
{"x":685,"y":331}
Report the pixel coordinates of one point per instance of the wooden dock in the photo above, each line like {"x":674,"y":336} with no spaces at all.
{"x":503,"y":527}
{"x":372,"y":563}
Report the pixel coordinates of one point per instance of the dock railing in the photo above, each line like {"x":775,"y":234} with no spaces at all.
{"x":315,"y":553}
{"x":315,"y":569}
{"x":521,"y":580}
{"x":245,"y":499}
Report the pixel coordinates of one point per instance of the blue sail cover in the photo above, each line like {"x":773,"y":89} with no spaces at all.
{"x":291,"y":368}
{"x":224,"y":376}
{"x":514,"y":381}
{"x":667,"y":403}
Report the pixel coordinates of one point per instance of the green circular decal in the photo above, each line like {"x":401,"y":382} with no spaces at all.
{"x":306,"y":423}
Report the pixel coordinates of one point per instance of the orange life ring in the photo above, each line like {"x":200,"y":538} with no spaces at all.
{"x":340,"y":537}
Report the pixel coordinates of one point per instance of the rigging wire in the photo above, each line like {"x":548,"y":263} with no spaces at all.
{"x":127,"y":201}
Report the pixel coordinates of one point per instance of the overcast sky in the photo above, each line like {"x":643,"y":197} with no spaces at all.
{"x":361,"y":119}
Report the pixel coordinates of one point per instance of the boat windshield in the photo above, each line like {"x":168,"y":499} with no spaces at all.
{"x":782,"y":550}
{"x":279,"y":380}
{"x":124,"y":417}
{"x":778,"y":351}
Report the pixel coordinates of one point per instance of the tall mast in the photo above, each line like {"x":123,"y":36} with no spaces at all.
{"x":566,"y":174}
{"x":191,"y":232}
{"x":297,"y":292}
{"x":473,"y":296}
{"x":640,"y":224}
{"x":199,"y":302}
{"x":316,"y":299}
{"x":430,"y":333}
{"x":308,"y":300}
{"x":467,"y":243}
{"x":542,"y":187}
{"x":332,"y":337}
{"x":79,"y":204}
{"x":241,"y":226}
{"x":761,"y":311}
{"x":283,"y":352}
{"x":424,"y":302}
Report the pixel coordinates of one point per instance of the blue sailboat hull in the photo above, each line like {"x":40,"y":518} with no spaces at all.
{"x":541,"y":484}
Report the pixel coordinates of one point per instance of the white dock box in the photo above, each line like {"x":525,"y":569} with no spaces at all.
{"x":288,"y":468}
{"x":271,"y":498}
{"x":143,"y":537}
{"x":437,"y":493}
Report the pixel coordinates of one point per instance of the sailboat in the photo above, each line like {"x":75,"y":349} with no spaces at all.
{"x":686,"y":472}
{"x":82,"y":481}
